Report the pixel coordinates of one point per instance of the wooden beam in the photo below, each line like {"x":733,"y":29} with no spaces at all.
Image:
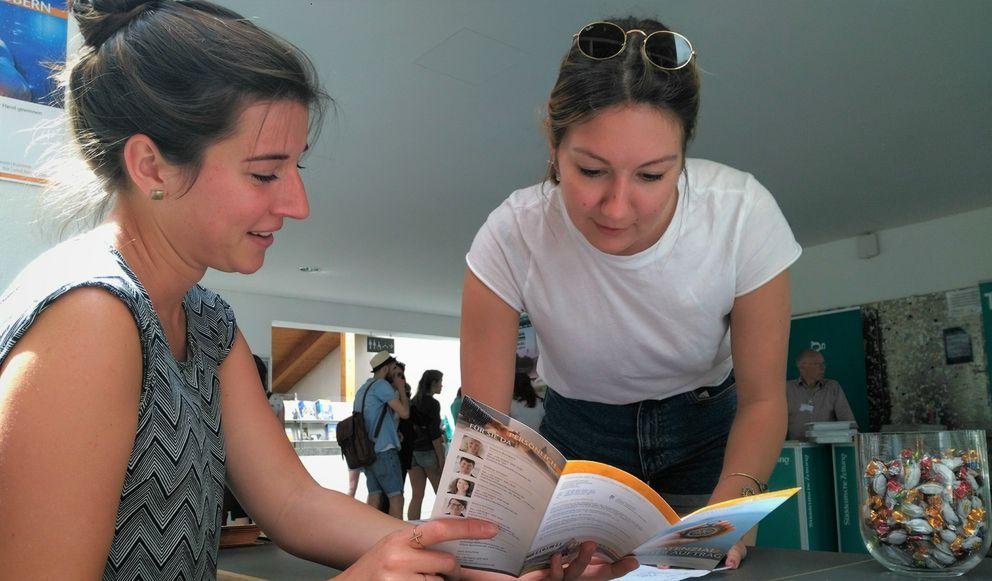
{"x":307,"y":352}
{"x":348,"y":387}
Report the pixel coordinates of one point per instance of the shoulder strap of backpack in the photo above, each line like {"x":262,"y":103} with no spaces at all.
{"x":382,"y":414}
{"x":378,"y":425}
{"x":364,"y":396}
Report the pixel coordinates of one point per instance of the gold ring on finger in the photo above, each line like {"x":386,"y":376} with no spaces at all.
{"x":415,"y":538}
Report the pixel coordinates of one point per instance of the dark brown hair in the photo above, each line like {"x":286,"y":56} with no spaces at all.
{"x":180,"y":72}
{"x":586,"y":86}
{"x":424,"y":389}
{"x":523,"y":390}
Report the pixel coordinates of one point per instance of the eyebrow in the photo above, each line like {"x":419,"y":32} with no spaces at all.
{"x":664,"y":159}
{"x":272,"y":156}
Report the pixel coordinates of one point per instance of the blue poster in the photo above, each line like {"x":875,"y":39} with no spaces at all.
{"x":32,"y":41}
{"x":32,"y":47}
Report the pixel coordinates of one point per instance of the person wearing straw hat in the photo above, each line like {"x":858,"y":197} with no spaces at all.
{"x":382,"y":406}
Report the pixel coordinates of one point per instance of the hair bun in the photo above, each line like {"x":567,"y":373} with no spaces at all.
{"x":100,"y":19}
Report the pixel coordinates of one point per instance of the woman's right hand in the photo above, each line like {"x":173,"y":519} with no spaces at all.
{"x":405,"y":555}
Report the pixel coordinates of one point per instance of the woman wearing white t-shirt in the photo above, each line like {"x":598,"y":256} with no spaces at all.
{"x":657,"y":285}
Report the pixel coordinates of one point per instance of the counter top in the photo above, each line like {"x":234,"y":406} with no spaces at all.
{"x":271,"y":563}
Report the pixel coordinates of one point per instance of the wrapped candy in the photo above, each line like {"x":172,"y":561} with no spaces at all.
{"x":924,"y":507}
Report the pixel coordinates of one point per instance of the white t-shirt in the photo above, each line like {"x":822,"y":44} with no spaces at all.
{"x":622,"y":329}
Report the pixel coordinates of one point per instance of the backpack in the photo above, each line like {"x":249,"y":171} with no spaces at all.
{"x":357,"y":447}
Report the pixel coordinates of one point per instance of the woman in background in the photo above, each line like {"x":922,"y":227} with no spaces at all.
{"x":527,"y":406}
{"x":428,"y":445}
{"x":405,"y":428}
{"x":456,"y":405}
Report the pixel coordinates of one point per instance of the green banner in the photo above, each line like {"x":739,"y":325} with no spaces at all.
{"x":985,"y":292}
{"x":806,"y":521}
{"x":846,"y":483}
{"x":839,"y":338}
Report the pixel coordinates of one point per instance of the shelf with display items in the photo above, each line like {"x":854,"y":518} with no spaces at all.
{"x":313,"y":421}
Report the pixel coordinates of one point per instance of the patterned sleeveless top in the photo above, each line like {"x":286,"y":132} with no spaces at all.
{"x":169,"y":516}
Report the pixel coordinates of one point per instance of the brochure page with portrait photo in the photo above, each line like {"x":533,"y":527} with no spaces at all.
{"x":504,"y":472}
{"x":512,"y":473}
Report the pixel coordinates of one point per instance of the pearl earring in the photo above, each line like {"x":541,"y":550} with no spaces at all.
{"x":158,"y":194}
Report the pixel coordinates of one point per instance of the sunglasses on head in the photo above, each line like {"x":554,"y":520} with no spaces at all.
{"x":663,"y":48}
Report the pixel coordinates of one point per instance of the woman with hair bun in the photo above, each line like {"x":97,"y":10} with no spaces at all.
{"x":657,"y":285}
{"x":193,"y":121}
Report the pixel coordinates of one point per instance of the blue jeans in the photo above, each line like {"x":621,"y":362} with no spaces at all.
{"x":385,"y":475}
{"x":676,"y":445}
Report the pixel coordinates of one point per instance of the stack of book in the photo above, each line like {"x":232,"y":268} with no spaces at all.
{"x":831,"y":432}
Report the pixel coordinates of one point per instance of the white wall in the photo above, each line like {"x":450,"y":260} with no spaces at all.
{"x":423,"y":354}
{"x":20,"y":238}
{"x":323,"y":381}
{"x":363,"y":359}
{"x":947,"y":253}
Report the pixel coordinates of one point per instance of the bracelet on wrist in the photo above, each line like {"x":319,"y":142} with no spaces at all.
{"x":749,"y":490}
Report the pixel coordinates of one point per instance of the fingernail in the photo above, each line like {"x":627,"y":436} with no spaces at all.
{"x":490,"y":529}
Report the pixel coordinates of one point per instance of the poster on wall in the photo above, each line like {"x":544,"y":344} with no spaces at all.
{"x":957,"y":346}
{"x":32,"y":42}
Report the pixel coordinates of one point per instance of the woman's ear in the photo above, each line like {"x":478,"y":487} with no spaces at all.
{"x":145,"y":166}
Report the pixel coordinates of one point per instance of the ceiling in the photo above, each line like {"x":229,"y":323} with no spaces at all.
{"x":858,"y":115}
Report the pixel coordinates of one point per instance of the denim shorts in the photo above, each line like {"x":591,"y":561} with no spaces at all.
{"x":424,"y":458}
{"x":385,"y":474}
{"x":676,"y":445}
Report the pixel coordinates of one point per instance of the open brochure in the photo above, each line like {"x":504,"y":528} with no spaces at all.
{"x":504,"y":472}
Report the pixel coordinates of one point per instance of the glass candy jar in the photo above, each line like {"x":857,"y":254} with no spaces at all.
{"x":924,"y":500}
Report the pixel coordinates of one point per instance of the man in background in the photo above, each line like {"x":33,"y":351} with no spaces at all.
{"x":385,"y":475}
{"x":813,"y":398}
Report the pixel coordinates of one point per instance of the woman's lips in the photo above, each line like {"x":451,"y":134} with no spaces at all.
{"x":264,"y":239}
{"x":607,"y":231}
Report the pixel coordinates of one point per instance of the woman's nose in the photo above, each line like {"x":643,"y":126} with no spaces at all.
{"x":293,"y":202}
